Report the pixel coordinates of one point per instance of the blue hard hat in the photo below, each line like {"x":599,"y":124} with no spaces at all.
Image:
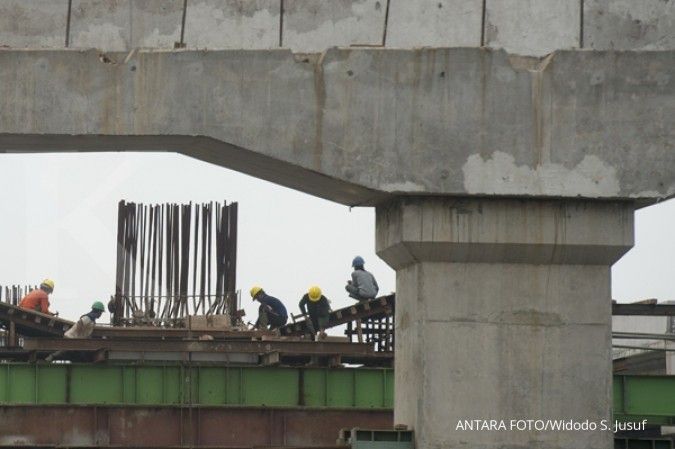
{"x":358,"y":261}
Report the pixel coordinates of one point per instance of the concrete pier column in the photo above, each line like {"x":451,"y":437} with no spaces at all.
{"x":503,"y":312}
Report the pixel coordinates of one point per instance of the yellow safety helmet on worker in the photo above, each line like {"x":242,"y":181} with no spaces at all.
{"x":47,"y":283}
{"x":255,"y":290}
{"x":314,"y":293}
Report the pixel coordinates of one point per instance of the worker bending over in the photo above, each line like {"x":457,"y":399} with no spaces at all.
{"x":318,"y":307}
{"x":271,"y":313}
{"x":85,"y":325}
{"x":363,"y":285}
{"x":38,"y":299}
{"x":83,"y":328}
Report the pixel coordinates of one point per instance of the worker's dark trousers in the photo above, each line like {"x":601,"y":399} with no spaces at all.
{"x":317,"y":323}
{"x":271,"y":319}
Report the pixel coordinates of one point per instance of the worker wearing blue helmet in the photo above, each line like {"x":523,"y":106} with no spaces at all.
{"x":363,"y":285}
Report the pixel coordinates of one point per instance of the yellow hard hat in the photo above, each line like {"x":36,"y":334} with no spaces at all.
{"x":49,"y":283}
{"x":255,"y":290}
{"x":314,"y":293}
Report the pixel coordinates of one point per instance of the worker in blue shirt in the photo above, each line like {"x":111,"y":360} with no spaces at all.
{"x":271,"y":313}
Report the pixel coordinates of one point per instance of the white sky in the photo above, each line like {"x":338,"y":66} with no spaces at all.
{"x":59,"y":218}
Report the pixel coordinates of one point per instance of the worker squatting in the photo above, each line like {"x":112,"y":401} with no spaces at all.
{"x":272,"y":313}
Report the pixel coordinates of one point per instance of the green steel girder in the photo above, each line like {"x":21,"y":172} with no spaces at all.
{"x":651,"y":397}
{"x":25,"y":383}
{"x":635,"y":397}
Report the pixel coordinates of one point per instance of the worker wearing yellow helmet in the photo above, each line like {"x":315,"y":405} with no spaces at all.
{"x":271,"y":313}
{"x":38,"y":299}
{"x":317,"y":306}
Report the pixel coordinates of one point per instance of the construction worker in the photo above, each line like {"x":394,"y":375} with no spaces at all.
{"x":38,"y":299}
{"x":271,"y":313}
{"x":363,"y":285}
{"x":318,"y":307}
{"x":83,"y":328}
{"x":85,"y":325}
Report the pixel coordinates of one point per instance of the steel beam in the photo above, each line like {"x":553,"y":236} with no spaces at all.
{"x":147,"y":332}
{"x":234,"y":346}
{"x":194,"y":384}
{"x":636,"y":396}
{"x":32,"y":323}
{"x":383,"y":305}
{"x":644,"y":309}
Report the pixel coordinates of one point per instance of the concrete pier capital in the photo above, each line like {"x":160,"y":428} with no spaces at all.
{"x":490,"y":230}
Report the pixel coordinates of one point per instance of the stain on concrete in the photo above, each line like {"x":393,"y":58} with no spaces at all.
{"x":406,"y":186}
{"x":629,"y":24}
{"x":592,"y":177}
{"x":315,"y":25}
{"x":530,"y":317}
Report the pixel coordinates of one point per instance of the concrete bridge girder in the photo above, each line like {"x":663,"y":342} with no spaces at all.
{"x":528,"y":27}
{"x":357,"y":126}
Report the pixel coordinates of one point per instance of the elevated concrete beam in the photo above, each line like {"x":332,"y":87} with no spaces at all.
{"x":526,"y":27}
{"x":459,"y":122}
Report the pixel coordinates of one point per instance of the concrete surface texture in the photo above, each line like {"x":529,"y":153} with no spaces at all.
{"x":532,"y":27}
{"x":358,"y":125}
{"x":629,"y":24}
{"x":484,"y":335}
{"x":526,"y":27}
{"x":117,"y":25}
{"x":244,"y":24}
{"x":33,"y":24}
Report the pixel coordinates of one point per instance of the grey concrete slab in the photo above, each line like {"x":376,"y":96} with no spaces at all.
{"x":33,"y":23}
{"x":434,"y":23}
{"x":315,"y":25}
{"x":532,"y":27}
{"x":119,"y":25}
{"x":245,"y":24}
{"x":578,"y":124}
{"x":629,"y":24}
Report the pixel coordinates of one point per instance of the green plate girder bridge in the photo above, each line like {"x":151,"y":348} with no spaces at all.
{"x":635,"y":397}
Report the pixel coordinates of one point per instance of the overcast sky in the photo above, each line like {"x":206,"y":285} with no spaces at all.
{"x":59,"y":218}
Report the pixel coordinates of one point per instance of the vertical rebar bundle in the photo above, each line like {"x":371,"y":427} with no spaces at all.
{"x":174,"y":261}
{"x":14,"y":293}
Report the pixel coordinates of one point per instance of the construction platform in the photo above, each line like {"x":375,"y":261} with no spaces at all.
{"x":43,"y":336}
